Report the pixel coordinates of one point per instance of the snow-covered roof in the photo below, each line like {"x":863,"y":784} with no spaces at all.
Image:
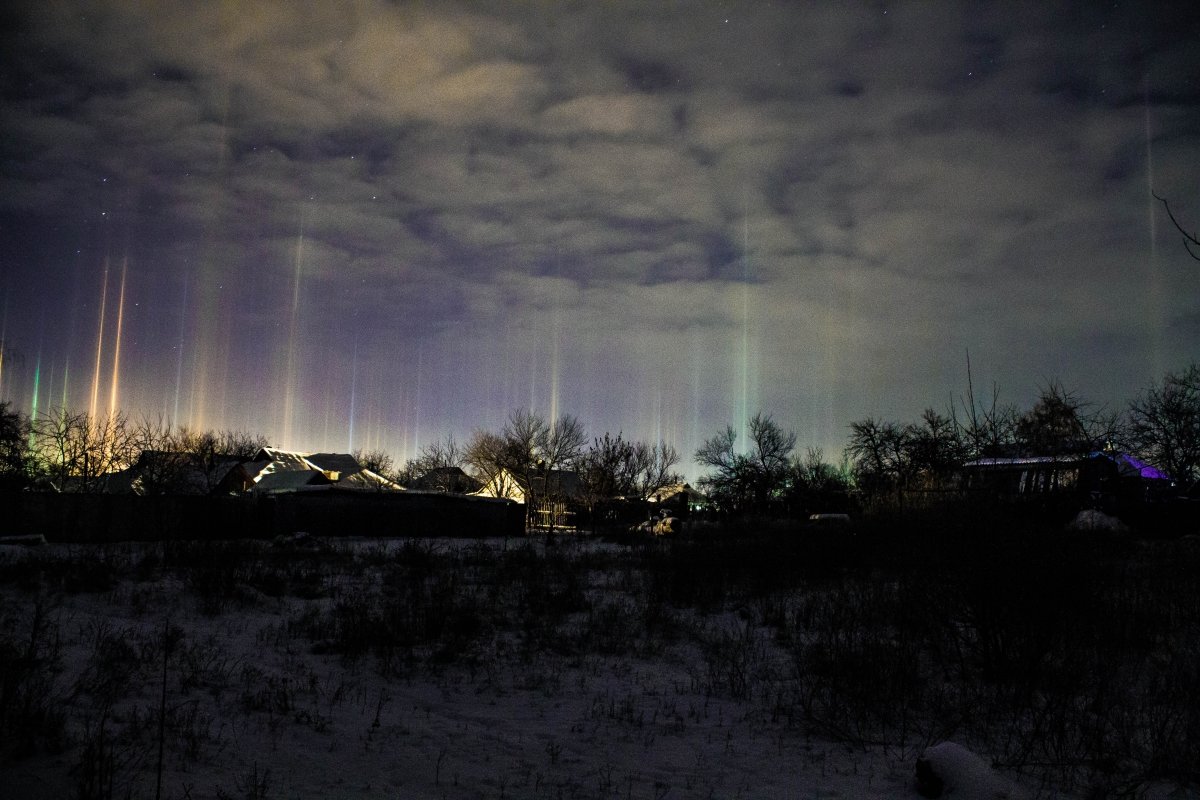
{"x":341,"y":463}
{"x":1127,"y":465}
{"x":1024,"y":462}
{"x":288,"y":480}
{"x":340,"y":468}
{"x":667,"y":492}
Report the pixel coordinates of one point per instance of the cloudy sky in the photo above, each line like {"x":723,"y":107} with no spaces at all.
{"x":372,"y":224}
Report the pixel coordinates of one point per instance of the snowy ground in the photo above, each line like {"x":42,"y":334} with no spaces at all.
{"x":264,"y":699}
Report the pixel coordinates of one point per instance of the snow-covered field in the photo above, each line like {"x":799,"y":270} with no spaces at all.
{"x":432,"y":669}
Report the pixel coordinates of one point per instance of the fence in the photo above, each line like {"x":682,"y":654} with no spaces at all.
{"x":109,"y":518}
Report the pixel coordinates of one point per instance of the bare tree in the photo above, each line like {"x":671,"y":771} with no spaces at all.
{"x":487,"y":458}
{"x":989,"y":430}
{"x":1190,"y":240}
{"x":433,"y":463}
{"x":815,"y":485}
{"x":608,"y":469}
{"x":212,"y":454}
{"x":378,"y":461}
{"x":15,"y":460}
{"x":936,"y":446}
{"x":76,"y":451}
{"x":526,"y":456}
{"x":881,"y":457}
{"x":741,"y":482}
{"x":178,"y":460}
{"x":240,"y":445}
{"x":563,"y":443}
{"x":1061,"y":423}
{"x":557,"y":446}
{"x":1164,"y":424}
{"x":654,"y":468}
{"x":164,"y":465}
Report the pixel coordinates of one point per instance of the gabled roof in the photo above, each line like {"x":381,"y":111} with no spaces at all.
{"x":341,"y":469}
{"x":1130,"y":467}
{"x":342,"y":463}
{"x":508,"y":484}
{"x":1024,"y":462}
{"x":446,"y":479}
{"x":1127,"y":466}
{"x":181,"y":472}
{"x":562,"y":481}
{"x":368,"y":480}
{"x":676,"y":489}
{"x":289,"y":481}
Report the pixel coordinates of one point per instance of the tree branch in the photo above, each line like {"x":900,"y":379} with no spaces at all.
{"x":1189,"y":239}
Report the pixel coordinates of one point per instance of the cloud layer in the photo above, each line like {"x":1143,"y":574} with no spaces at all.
{"x":412,"y":217}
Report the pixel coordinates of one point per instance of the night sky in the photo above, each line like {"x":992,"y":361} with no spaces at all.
{"x":371,"y":224}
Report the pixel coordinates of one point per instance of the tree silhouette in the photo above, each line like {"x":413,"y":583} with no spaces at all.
{"x":15,"y":463}
{"x":1164,"y":424}
{"x":1190,"y":240}
{"x":1060,"y":423}
{"x":741,"y":482}
{"x":526,"y":455}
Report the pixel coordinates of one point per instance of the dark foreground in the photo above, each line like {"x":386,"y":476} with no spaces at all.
{"x":752,"y":661}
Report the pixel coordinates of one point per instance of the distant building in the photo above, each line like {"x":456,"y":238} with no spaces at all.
{"x":679,"y":498}
{"x":556,"y":495}
{"x":451,"y":480}
{"x":1098,"y":478}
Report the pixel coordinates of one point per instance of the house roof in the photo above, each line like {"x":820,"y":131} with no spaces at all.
{"x":443,"y":478}
{"x":181,"y":472}
{"x":1022,"y":462}
{"x":340,"y":468}
{"x":281,"y":460}
{"x":674,"y":490}
{"x":561,"y":481}
{"x":1127,"y":465}
{"x":289,"y":480}
{"x":1130,"y":467}
{"x":366,"y":479}
{"x":342,"y":463}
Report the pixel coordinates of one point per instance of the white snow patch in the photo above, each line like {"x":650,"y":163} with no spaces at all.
{"x":951,"y":770}
{"x":1092,"y":520}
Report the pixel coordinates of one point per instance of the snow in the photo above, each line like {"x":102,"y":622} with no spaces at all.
{"x":1091,"y":519}
{"x":256,"y":709}
{"x":964,"y":775}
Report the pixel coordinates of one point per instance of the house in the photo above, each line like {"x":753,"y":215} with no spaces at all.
{"x":555,"y":495}
{"x":156,"y":472}
{"x":169,"y":472}
{"x":344,"y":470}
{"x":272,"y":471}
{"x":451,"y":480}
{"x":1100,"y":478}
{"x":679,"y":498}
